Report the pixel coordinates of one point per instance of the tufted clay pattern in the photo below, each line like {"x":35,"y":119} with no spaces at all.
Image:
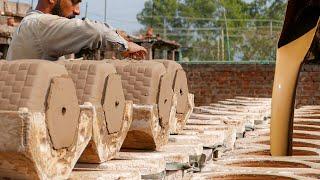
{"x":140,"y":80}
{"x":25,"y":83}
{"x":89,"y":78}
{"x":179,"y":83}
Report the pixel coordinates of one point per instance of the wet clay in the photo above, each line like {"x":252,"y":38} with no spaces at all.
{"x":147,"y":82}
{"x":179,"y":82}
{"x":114,"y":103}
{"x":289,"y":60}
{"x":62,"y":112}
{"x":165,"y":100}
{"x":147,"y":85}
{"x":98,"y":83}
{"x":140,"y":80}
{"x":181,"y":88}
{"x":39,"y":115}
{"x":25,"y":83}
{"x":42,"y":86}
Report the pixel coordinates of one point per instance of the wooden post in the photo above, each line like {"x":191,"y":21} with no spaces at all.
{"x":171,"y":55}
{"x":222,"y":45}
{"x":148,"y":46}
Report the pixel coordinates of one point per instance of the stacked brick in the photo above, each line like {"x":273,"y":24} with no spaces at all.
{"x":213,"y":82}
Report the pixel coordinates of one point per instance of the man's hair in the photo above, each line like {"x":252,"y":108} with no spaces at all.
{"x":57,"y":9}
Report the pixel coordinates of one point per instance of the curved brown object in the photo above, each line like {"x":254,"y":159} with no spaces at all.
{"x":181,"y":89}
{"x":301,"y":17}
{"x":179,"y":82}
{"x":299,"y":41}
{"x":62,"y":112}
{"x":147,"y":84}
{"x":98,"y":83}
{"x":165,"y":101}
{"x":42,"y":131}
{"x":114,"y":103}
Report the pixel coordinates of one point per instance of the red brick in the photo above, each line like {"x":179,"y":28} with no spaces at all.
{"x":214,"y":82}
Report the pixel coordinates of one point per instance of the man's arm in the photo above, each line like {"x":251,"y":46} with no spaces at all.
{"x":60,"y":36}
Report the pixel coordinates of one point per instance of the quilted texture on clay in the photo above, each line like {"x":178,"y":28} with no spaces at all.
{"x":140,"y":80}
{"x":171,"y":67}
{"x":89,"y":78}
{"x":25,"y":83}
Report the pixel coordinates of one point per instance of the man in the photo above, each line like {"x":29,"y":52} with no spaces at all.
{"x":51,"y":31}
{"x":10,"y":21}
{"x":6,"y":32}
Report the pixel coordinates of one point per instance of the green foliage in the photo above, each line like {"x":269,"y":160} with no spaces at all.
{"x":200,"y":26}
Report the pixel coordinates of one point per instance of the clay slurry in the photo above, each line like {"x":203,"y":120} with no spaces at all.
{"x":289,"y":60}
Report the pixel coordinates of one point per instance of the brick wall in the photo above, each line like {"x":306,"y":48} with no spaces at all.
{"x":213,"y":82}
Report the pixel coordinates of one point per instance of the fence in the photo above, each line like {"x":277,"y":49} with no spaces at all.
{"x":208,"y":39}
{"x":211,"y":39}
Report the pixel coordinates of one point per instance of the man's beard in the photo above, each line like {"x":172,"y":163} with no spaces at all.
{"x":71,"y":16}
{"x":57,"y":11}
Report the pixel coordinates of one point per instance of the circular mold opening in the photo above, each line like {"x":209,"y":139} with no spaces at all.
{"x":268,"y":163}
{"x":314,"y":123}
{"x":264,"y":142}
{"x":296,"y":144}
{"x":116,"y":104}
{"x":181,"y":92}
{"x":305,"y":136}
{"x":314,"y":161}
{"x":296,"y":152}
{"x":315,"y":176}
{"x":251,"y":177}
{"x":265,"y":134}
{"x":63,"y":110}
{"x":303,"y":128}
{"x":301,"y":136}
{"x":312,"y":116}
{"x":305,"y":144}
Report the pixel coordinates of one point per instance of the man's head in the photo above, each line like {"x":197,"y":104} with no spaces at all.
{"x":64,"y":8}
{"x":10,"y":21}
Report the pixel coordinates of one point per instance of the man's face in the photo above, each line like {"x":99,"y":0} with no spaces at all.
{"x":67,"y":8}
{"x":10,"y":22}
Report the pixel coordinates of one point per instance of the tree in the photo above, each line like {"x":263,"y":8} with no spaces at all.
{"x":200,"y":27}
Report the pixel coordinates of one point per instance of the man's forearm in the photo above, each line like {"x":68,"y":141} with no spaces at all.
{"x":116,"y":41}
{"x":63,"y":36}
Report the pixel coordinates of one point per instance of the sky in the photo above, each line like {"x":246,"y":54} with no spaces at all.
{"x":120,"y":13}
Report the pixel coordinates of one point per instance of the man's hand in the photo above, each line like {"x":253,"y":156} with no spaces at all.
{"x":135,"y":51}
